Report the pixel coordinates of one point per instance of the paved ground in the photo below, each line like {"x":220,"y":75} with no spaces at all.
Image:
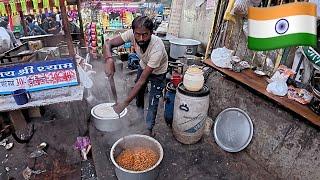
{"x":61,"y":161}
{"x":284,"y":146}
{"x":203,"y":160}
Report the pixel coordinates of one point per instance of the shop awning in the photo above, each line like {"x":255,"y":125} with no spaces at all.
{"x":8,"y":7}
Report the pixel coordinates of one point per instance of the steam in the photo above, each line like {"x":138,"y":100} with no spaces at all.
{"x":134,"y":121}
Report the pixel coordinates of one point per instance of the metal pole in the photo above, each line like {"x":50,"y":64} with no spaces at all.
{"x":23,"y":23}
{"x":66,"y":28}
{"x":81,"y":23}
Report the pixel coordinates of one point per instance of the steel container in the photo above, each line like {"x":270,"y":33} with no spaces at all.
{"x":179,"y":47}
{"x":133,"y":141}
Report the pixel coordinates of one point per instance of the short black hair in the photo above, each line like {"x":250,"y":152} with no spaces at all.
{"x":142,"y":21}
{"x":4,"y":24}
{"x":29,"y":19}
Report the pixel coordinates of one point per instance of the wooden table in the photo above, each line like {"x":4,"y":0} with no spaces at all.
{"x":249,"y":78}
{"x":39,"y":98}
{"x":28,"y":38}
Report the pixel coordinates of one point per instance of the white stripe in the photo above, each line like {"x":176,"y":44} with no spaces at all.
{"x":297,"y":24}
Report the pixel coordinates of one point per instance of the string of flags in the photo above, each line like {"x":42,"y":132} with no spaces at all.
{"x":12,"y":7}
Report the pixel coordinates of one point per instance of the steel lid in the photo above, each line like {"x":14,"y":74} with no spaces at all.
{"x":233,"y":130}
{"x":105,"y":111}
{"x":184,"y":42}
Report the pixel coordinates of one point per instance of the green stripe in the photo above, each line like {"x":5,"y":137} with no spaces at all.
{"x":298,"y":39}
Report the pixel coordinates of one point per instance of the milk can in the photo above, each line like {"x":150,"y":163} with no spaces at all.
{"x":190,"y":112}
{"x":193,"y":79}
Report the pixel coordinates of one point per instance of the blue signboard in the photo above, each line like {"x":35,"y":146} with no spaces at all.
{"x":38,"y":76}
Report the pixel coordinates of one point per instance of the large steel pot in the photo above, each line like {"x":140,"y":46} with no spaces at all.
{"x":179,"y":47}
{"x":133,"y":141}
{"x":108,"y":123}
{"x":166,"y":41}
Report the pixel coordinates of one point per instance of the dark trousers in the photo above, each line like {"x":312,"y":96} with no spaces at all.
{"x":157,"y":85}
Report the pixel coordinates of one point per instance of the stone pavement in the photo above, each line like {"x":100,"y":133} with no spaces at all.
{"x":203,"y":160}
{"x":284,"y":146}
{"x":59,"y":128}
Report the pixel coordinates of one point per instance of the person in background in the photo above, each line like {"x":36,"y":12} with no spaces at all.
{"x":4,"y":23}
{"x":153,"y":66}
{"x":34,"y":29}
{"x":74,"y":28}
{"x":54,"y":26}
{"x":58,"y":18}
{"x":44,"y":23}
{"x":5,"y":41}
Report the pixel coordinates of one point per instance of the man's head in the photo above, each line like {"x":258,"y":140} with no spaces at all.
{"x":142,"y":28}
{"x":29,"y":19}
{"x":4,"y":24}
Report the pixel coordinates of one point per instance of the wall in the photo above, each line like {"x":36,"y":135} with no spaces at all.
{"x":282,"y":143}
{"x":195,"y":22}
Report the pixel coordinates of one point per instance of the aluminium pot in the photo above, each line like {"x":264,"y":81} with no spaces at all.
{"x":179,"y":47}
{"x":133,"y":141}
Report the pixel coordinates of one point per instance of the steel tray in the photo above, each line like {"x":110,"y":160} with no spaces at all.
{"x":233,"y":130}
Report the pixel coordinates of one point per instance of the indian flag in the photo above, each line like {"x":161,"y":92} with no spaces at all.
{"x":292,"y":24}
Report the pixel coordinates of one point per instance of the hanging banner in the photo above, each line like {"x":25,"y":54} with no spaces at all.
{"x":13,"y":7}
{"x":38,"y":76}
{"x":46,"y":4}
{"x":35,"y":4}
{"x":3,"y":11}
{"x":23,"y":6}
{"x":56,"y":3}
{"x":311,"y":54}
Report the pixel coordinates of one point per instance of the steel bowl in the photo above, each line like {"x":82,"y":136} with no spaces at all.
{"x":132,"y":141}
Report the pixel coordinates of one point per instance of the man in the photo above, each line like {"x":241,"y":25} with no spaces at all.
{"x":54,"y":26}
{"x":153,"y":66}
{"x":73,"y":27}
{"x":5,"y":41}
{"x":34,"y":29}
{"x":4,"y":23}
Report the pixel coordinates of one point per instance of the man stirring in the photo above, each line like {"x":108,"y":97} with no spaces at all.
{"x":153,"y":66}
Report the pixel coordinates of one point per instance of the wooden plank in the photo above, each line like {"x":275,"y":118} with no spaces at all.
{"x":212,"y":32}
{"x":34,"y":112}
{"x":44,"y":98}
{"x":81,"y":23}
{"x":18,"y":120}
{"x":65,"y":25}
{"x":259,"y":84}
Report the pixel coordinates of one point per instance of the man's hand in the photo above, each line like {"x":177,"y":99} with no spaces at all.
{"x":109,"y":44}
{"x":109,"y":67}
{"x":119,"y":107}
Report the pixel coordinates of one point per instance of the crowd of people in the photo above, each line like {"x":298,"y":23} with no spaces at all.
{"x":36,"y":25}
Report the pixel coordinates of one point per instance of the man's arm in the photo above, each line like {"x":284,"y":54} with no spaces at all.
{"x":118,"y":108}
{"x":114,"y":42}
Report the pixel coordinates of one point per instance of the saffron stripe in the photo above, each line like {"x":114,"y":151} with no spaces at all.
{"x":275,"y":12}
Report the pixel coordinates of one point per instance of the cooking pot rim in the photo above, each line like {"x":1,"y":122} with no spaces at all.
{"x":185,"y":42}
{"x":122,"y":114}
{"x":142,"y":136}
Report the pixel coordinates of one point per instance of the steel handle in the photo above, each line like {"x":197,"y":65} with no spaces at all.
{"x":28,"y":94}
{"x":189,"y":51}
{"x":184,"y":107}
